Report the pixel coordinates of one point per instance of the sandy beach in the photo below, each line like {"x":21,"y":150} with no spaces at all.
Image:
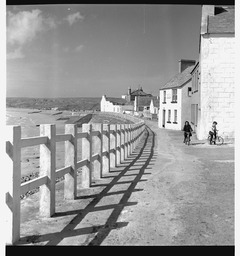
{"x":29,"y":120}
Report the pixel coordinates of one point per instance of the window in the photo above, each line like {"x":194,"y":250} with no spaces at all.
{"x":175,"y":116}
{"x":164,"y":96}
{"x":169,"y":116}
{"x":174,"y":95}
{"x":189,"y":91}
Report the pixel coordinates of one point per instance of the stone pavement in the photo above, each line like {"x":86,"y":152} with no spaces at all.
{"x":165,"y":193}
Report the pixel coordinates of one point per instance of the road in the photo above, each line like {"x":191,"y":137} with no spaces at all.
{"x":165,"y":193}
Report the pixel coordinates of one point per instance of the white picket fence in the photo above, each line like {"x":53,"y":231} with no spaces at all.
{"x":103,"y":146}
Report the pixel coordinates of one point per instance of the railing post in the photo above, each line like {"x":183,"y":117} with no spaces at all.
{"x":137,"y":134}
{"x":13,"y":234}
{"x":106,"y":147}
{"x":122,"y":143}
{"x":48,"y":167}
{"x":112,"y":145}
{"x":97,"y":149}
{"x":115,"y":137}
{"x":134,"y":136}
{"x":118,"y":155}
{"x":128,"y":140}
{"x":125,"y":141}
{"x":87,"y":154}
{"x":70,"y":179}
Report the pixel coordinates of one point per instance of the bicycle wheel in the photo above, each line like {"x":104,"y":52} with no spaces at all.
{"x":219,"y":140}
{"x":209,"y":139}
{"x":187,"y":140}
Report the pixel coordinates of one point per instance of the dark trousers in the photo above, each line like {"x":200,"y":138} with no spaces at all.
{"x":213,"y":135}
{"x":185,"y":135}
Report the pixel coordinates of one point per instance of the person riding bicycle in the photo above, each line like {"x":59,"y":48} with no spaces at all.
{"x":187,"y":128}
{"x":213,"y":132}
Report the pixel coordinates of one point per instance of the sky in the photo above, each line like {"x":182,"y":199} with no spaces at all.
{"x":91,"y":50}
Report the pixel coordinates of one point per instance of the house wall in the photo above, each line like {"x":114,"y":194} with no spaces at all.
{"x":153,"y":110}
{"x":196,"y":105}
{"x":217,"y":61}
{"x":107,"y":106}
{"x":186,"y":104}
{"x":170,"y":106}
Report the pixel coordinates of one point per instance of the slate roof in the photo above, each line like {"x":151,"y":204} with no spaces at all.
{"x":222,"y":22}
{"x":117,"y":101}
{"x":179,"y":79}
{"x":140,"y":92}
{"x":145,"y":101}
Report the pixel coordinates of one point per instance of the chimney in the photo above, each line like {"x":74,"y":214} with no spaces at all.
{"x":207,"y":10}
{"x":183,"y":64}
{"x":129,"y":90}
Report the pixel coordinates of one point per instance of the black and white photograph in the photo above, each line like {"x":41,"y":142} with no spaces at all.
{"x":119,"y":125}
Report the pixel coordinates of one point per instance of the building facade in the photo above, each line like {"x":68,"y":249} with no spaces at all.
{"x":130,"y":96}
{"x":117,"y":105}
{"x":175,"y":98}
{"x":213,"y":76}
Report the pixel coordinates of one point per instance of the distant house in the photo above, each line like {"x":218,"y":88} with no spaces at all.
{"x":130,"y":96}
{"x":175,"y":98}
{"x":147,"y":105}
{"x":118,"y":105}
{"x":213,"y":76}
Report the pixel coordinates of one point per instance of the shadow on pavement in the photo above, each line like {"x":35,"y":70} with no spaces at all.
{"x":97,"y":234}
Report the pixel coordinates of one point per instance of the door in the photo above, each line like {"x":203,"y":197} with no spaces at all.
{"x":163,"y":118}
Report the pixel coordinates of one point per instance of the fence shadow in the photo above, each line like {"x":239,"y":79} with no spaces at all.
{"x":97,"y":234}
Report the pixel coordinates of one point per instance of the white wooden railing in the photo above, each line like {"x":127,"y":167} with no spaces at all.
{"x":103,"y":146}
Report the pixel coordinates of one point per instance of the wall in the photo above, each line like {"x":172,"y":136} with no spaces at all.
{"x":153,"y":110}
{"x":186,"y":104}
{"x":217,"y":84}
{"x":172,"y":106}
{"x":107,"y":106}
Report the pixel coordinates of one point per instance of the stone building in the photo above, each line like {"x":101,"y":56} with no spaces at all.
{"x":130,"y":96}
{"x":175,"y":98}
{"x":213,"y":75}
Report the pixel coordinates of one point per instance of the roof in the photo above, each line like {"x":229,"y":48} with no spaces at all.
{"x":222,"y":22}
{"x":116,"y":101}
{"x":145,"y":101}
{"x":140,"y":92}
{"x":179,"y":79}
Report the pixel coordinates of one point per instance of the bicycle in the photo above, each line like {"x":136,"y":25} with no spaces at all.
{"x":218,"y":141}
{"x":187,"y":139}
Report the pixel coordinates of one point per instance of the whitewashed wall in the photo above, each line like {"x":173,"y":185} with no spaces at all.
{"x":217,"y":84}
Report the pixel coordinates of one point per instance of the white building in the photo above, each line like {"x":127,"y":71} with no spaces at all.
{"x":175,"y":98}
{"x":118,"y":105}
{"x":213,"y":76}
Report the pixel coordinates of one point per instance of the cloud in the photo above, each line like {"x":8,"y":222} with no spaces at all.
{"x":23,"y":26}
{"x":79,"y":48}
{"x":72,"y":18}
{"x":16,"y":54}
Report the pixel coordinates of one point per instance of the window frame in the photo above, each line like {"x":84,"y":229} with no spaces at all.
{"x":164,"y":96}
{"x":169,"y":116}
{"x":175,"y":116}
{"x":174,"y":95}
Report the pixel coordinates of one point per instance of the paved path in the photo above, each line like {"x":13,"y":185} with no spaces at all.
{"x":166,"y":193}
